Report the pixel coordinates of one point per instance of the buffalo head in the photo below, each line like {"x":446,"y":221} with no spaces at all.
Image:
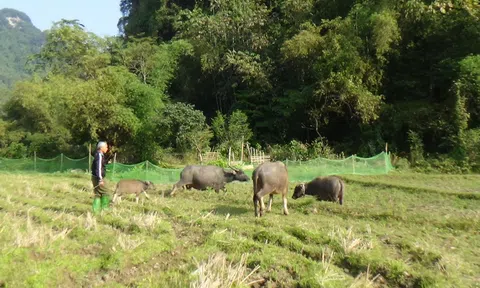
{"x":299,"y":191}
{"x":239,"y":175}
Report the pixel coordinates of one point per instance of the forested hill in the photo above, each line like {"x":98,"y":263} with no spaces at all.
{"x":296,"y":77}
{"x":19,"y":38}
{"x":358,"y":72}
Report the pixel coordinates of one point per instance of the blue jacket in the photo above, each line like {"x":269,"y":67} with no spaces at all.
{"x":98,"y":165}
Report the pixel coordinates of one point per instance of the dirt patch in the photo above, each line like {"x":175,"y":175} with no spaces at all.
{"x":157,"y":264}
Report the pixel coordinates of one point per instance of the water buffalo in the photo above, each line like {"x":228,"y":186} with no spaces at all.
{"x":330,"y":188}
{"x":132,"y":186}
{"x":269,"y":178}
{"x":202,"y":176}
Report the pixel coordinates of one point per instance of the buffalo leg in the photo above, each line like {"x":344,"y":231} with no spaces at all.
{"x":262,"y":203}
{"x":176,"y":186}
{"x":173,"y":190}
{"x":270,"y":200}
{"x":260,"y":194}
{"x":255,"y":204}
{"x":136,"y":198}
{"x":146,"y":195}
{"x":285,"y":209}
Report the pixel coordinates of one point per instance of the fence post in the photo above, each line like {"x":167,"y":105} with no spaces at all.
{"x":229,"y":154}
{"x":89,"y":157}
{"x":386,"y":162}
{"x":114,"y":162}
{"x":35,"y":161}
{"x":61,"y":162}
{"x":353,"y":163}
{"x":146,"y":169}
{"x":241,"y":155}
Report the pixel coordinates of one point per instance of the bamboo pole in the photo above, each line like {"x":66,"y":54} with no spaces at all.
{"x":241,"y":155}
{"x":35,"y":160}
{"x":353,"y":163}
{"x":89,"y":157}
{"x":61,"y":162}
{"x":146,"y":169}
{"x":386,"y":162}
{"x":114,"y":162}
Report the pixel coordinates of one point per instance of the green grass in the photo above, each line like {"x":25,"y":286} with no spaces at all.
{"x":401,"y":230}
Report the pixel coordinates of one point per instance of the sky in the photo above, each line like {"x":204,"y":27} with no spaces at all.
{"x":98,"y":16}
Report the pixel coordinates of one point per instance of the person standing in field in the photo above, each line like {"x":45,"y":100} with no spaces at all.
{"x":102,"y":197}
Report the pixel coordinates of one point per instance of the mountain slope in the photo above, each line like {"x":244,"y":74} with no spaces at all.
{"x":19,"y":38}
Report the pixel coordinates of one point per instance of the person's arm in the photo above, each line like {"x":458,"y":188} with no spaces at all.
{"x":108,"y":157}
{"x":99,"y":168}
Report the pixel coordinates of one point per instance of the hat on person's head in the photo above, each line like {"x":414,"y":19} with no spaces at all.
{"x":101,"y":144}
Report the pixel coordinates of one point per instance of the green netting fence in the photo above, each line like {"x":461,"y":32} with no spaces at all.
{"x":307,"y":170}
{"x":61,"y":163}
{"x":297,"y":170}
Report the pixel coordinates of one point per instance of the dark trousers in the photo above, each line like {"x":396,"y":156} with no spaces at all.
{"x":97,"y":189}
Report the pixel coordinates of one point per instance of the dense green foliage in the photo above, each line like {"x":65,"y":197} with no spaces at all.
{"x":350,"y":75}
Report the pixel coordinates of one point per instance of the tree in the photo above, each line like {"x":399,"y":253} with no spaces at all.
{"x":182,"y":127}
{"x":70,"y":50}
{"x":231,"y":131}
{"x":63,"y":111}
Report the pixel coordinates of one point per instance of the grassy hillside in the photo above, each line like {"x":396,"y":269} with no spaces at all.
{"x":19,"y":40}
{"x":397,"y":231}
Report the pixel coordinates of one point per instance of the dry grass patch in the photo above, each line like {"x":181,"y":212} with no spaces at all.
{"x":328,"y":273}
{"x":216,"y":273}
{"x":349,"y":241}
{"x":127,"y":242}
{"x":146,"y":221}
{"x":89,"y":222}
{"x":365,"y":280}
{"x":27,"y":234}
{"x":62,"y":187}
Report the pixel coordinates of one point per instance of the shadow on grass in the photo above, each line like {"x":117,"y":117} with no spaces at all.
{"x":232,"y":210}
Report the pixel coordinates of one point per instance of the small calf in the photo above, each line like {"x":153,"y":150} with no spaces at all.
{"x":132,"y":186}
{"x":330,"y":188}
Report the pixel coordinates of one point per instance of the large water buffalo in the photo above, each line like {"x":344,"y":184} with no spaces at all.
{"x":201,"y":177}
{"x":330,"y":188}
{"x":269,"y":178}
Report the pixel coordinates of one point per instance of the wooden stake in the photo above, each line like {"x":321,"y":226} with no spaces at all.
{"x":241,"y":155}
{"x":353,"y":163}
{"x":114,"y":162}
{"x":89,"y":157}
{"x":146,"y":170}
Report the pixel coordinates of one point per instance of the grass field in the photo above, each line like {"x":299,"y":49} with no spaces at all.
{"x":401,"y":230}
